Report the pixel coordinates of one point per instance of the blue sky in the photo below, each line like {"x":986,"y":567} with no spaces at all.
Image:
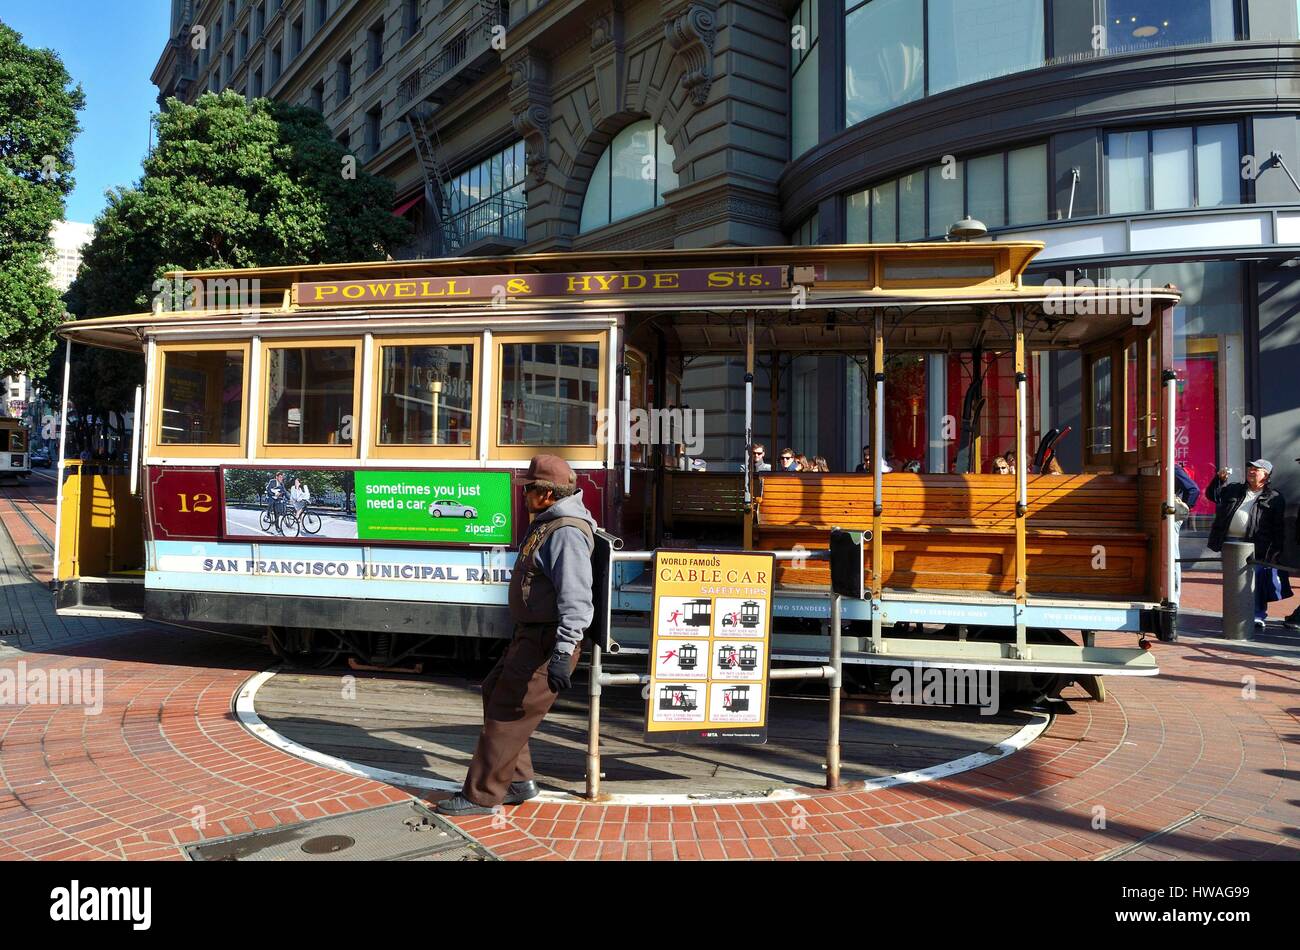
{"x":110,"y":47}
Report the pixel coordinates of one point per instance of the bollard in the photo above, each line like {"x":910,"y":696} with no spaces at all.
{"x":1238,"y":590}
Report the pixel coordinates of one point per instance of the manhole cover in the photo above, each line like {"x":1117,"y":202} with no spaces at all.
{"x":407,"y":832}
{"x":327,"y":844}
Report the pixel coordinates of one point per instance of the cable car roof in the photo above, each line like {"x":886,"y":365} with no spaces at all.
{"x":929,"y":296}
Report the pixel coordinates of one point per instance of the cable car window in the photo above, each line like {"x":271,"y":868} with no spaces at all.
{"x":202,"y":397}
{"x":310,"y":393}
{"x":1131,"y":398}
{"x":549,"y":393}
{"x":1099,"y":432}
{"x":426,"y":395}
{"x":17,"y":441}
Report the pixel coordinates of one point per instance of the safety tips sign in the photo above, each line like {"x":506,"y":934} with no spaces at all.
{"x":710,"y":647}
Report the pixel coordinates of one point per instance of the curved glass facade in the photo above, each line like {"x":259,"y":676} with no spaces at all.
{"x":899,"y":51}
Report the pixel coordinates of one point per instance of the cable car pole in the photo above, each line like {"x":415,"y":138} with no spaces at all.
{"x":833,"y":735}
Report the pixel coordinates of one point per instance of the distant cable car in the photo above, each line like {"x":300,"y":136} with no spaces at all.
{"x":749,"y":616}
{"x":748,"y":656}
{"x":698,"y":613}
{"x":736,"y":699}
{"x":727,"y":658}
{"x":687,"y":656}
{"x":678,"y":696}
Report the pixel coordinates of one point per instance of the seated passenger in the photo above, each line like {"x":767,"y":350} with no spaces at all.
{"x":820,"y":464}
{"x":757,"y":451}
{"x":1001,"y":466}
{"x":1053,"y":467}
{"x":864,"y":467}
{"x":802,"y":463}
{"x":787,"y":460}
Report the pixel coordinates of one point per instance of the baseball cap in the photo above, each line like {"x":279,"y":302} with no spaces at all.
{"x":547,"y":468}
{"x":1263,"y":465}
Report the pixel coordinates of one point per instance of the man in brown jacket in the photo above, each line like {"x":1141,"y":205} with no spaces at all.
{"x":551,"y":606}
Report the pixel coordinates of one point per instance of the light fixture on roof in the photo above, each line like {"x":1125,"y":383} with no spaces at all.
{"x":967,"y":228}
{"x":1142,"y":32}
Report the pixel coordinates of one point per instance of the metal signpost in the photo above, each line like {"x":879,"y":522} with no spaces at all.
{"x":845,"y":555}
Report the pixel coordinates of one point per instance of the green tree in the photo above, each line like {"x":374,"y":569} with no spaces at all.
{"x":38,"y":121}
{"x":234,"y":184}
{"x":229,"y":183}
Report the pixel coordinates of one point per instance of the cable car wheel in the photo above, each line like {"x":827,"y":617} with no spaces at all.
{"x":298,"y":647}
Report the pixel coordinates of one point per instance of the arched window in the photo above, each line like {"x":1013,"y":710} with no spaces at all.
{"x":631,"y":176}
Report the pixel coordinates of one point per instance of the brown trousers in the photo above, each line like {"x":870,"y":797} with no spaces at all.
{"x":516,"y":697}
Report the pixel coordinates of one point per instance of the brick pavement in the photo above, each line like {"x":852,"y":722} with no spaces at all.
{"x":1198,"y":763}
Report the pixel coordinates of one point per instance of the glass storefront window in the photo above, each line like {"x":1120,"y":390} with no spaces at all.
{"x":1169,"y":168}
{"x":1027,"y":178}
{"x":549,"y":393}
{"x":898,"y":51}
{"x":986,"y":190}
{"x":804,"y":55}
{"x":1144,"y":24}
{"x":911,"y":207}
{"x":884,"y":214}
{"x":884,"y":56}
{"x":973,"y":40}
{"x":426,"y":393}
{"x":999,"y":189}
{"x":945,"y":200}
{"x":1126,"y":171}
{"x":310,"y":394}
{"x":1209,"y":360}
{"x":202,"y":397}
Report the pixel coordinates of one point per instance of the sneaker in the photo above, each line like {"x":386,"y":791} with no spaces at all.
{"x":458,"y":805}
{"x":520,"y":792}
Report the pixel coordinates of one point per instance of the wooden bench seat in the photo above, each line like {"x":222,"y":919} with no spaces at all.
{"x":703,"y":498}
{"x":958,"y":531}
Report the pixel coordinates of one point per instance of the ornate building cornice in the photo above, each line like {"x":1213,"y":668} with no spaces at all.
{"x":530,"y":108}
{"x":690,"y":26}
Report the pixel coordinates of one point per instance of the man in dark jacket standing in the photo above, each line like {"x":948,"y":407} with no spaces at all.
{"x":551,"y":606}
{"x":1252,"y":511}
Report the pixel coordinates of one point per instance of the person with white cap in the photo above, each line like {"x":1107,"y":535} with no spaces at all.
{"x":1252,"y":511}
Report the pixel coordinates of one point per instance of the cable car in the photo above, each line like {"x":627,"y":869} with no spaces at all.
{"x":749,"y":614}
{"x":677,"y":696}
{"x":748,"y":656}
{"x":379,"y":383}
{"x":727,"y":656}
{"x":697,"y":613}
{"x":687,"y":656}
{"x":15,"y":461}
{"x":736,"y":699}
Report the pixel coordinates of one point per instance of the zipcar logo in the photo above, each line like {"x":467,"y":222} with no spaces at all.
{"x":103,"y":903}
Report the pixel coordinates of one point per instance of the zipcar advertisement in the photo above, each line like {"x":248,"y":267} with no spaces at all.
{"x":467,"y":507}
{"x":343,"y":504}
